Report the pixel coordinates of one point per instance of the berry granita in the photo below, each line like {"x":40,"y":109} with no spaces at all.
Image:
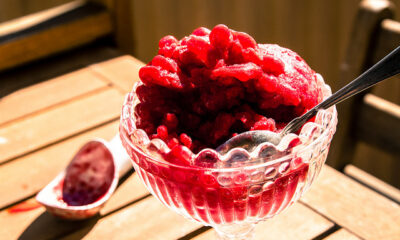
{"x":211,"y":85}
{"x":200,"y":91}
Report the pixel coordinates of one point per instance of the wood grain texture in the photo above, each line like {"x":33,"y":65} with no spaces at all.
{"x":38,"y":224}
{"x":122,"y":21}
{"x":62,"y":36}
{"x":49,"y":93}
{"x":41,"y":167}
{"x":25,"y":135}
{"x":373,"y":182}
{"x":54,"y":66}
{"x":364,"y":27}
{"x":122,"y":72}
{"x":378,"y":161}
{"x":346,"y":202}
{"x":16,"y":9}
{"x":147,"y":219}
{"x":384,"y":116}
{"x":342,"y":234}
{"x":33,"y":19}
{"x":297,"y":222}
{"x":388,"y":39}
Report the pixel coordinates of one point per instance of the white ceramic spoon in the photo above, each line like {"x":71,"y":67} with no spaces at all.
{"x":81,"y":190}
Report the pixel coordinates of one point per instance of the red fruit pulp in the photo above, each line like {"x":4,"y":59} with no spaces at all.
{"x":89,"y":176}
{"x":200,"y":91}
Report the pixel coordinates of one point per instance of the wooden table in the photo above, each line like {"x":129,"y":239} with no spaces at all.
{"x":41,"y":127}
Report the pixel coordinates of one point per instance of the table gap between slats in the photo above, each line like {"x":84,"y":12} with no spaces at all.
{"x":47,"y":94}
{"x":341,"y":234}
{"x":122,"y":71}
{"x":90,"y":80}
{"x":331,"y":231}
{"x":38,"y":224}
{"x":40,"y":167}
{"x":353,"y":206}
{"x":297,"y":222}
{"x":26,"y":135}
{"x":57,"y":84}
{"x":123,"y":78}
{"x":56,"y":101}
{"x":68,"y":147}
{"x":333,"y":196}
{"x":55,"y":105}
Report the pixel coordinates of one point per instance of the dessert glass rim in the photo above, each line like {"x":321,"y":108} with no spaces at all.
{"x":326,"y":91}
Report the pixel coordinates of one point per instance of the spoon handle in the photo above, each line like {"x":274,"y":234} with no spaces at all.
{"x":385,"y":68}
{"x":121,"y":158}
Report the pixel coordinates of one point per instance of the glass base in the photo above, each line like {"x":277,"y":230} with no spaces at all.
{"x":242,"y":231}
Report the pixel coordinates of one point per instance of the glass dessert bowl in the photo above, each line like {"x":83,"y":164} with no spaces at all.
{"x":200,"y":91}
{"x":241,"y":188}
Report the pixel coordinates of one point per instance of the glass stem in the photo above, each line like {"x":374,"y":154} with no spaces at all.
{"x":242,"y":231}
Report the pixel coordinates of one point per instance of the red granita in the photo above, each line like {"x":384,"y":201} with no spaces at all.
{"x":197,"y":93}
{"x":205,"y":88}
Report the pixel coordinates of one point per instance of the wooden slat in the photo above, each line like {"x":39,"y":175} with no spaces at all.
{"x":353,"y":206}
{"x":209,"y":234}
{"x":297,"y":222}
{"x":54,"y":66}
{"x":130,"y":190}
{"x":18,"y":9}
{"x":382,"y":105}
{"x":122,"y":71}
{"x":373,"y":182}
{"x":38,"y":224}
{"x":384,"y":116}
{"x":342,"y":234}
{"x":147,"y":219}
{"x":28,"y":134}
{"x":367,"y":21}
{"x":388,"y":39}
{"x":41,"y":167}
{"x":31,"y":20}
{"x":124,"y":35}
{"x":48,"y":93}
{"x":70,"y":29}
{"x":368,"y":152}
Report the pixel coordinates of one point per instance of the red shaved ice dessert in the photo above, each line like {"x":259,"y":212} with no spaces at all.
{"x":211,"y":85}
{"x":205,"y":88}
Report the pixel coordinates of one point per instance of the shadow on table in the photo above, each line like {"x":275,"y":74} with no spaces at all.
{"x":47,"y":226}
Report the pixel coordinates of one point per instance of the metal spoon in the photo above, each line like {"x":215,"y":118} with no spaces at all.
{"x":385,"y":68}
{"x":81,"y":190}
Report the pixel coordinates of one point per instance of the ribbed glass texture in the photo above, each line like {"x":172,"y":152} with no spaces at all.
{"x":239,"y":194}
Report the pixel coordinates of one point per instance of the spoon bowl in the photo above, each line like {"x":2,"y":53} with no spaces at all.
{"x":250,"y":140}
{"x":81,"y":190}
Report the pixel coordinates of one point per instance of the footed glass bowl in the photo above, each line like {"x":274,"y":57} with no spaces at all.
{"x":232,"y":198}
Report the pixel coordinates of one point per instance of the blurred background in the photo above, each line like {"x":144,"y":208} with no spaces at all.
{"x":318,"y":30}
